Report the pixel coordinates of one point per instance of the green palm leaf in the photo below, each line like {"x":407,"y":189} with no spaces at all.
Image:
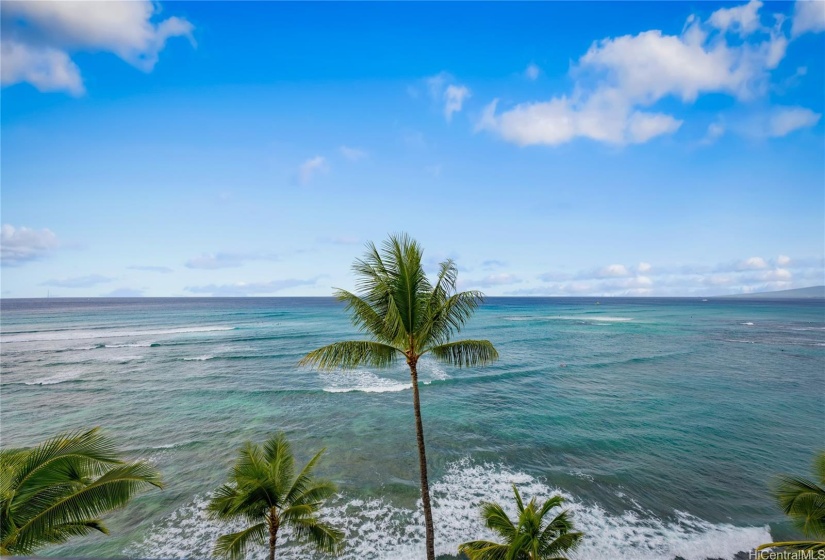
{"x":804,"y":502}
{"x":530,"y":538}
{"x":351,"y":354}
{"x":264,"y":491}
{"x":58,"y":489}
{"x":466,"y":353}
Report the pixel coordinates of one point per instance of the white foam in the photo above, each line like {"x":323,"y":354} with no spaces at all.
{"x":748,"y":324}
{"x":594,"y":318}
{"x":134,"y":345}
{"x":83,"y":335}
{"x":346,"y":381}
{"x":55,"y":379}
{"x":199,"y":358}
{"x":378,"y":530}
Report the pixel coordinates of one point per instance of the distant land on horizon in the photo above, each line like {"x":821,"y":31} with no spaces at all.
{"x":811,"y":292}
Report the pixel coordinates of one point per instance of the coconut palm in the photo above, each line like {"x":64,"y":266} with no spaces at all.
{"x":804,"y":502}
{"x":58,"y":489}
{"x":264,"y":491}
{"x":530,"y":537}
{"x":406,"y":316}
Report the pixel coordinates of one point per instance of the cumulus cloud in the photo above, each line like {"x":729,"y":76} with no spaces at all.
{"x":158,"y":269}
{"x":808,"y":17}
{"x":79,"y":281}
{"x":19,"y":245}
{"x":250,"y":288}
{"x":39,"y":38}
{"x":444,"y":89}
{"x":352,"y":154}
{"x":783,"y":260}
{"x":532,"y":71}
{"x":618,"y":79}
{"x":212,"y":261}
{"x":310,"y":168}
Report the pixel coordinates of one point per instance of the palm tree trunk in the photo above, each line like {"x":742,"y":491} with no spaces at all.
{"x":273,"y":534}
{"x":422,"y":464}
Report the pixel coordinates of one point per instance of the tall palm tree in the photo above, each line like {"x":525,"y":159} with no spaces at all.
{"x":58,"y":489}
{"x":529,"y":537}
{"x":264,"y":491}
{"x":406,"y":317}
{"x":804,"y":502}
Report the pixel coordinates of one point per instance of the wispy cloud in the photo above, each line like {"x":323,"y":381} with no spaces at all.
{"x":20,"y":245}
{"x":38,"y":38}
{"x":158,"y":269}
{"x":310,"y":168}
{"x":353,"y":154}
{"x":250,"y":288}
{"x":79,"y":281}
{"x":445,"y":90}
{"x":532,"y":71}
{"x":492,"y":280}
{"x":212,"y":261}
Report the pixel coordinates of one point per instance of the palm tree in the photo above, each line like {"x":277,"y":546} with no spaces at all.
{"x":529,"y":538}
{"x":804,"y":502}
{"x":58,"y":489}
{"x":406,"y":317}
{"x":264,"y":491}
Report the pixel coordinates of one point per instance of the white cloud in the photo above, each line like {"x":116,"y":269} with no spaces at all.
{"x":352,"y":154}
{"x":783,"y":260}
{"x":715,"y":131}
{"x":19,"y":245}
{"x":785,"y":120}
{"x":45,"y":68}
{"x":612,"y":271}
{"x":40,"y":36}
{"x":808,"y":17}
{"x":454,"y":97}
{"x":495,"y":280}
{"x":742,"y":19}
{"x":644,"y":267}
{"x":618,"y":78}
{"x":532,"y":71}
{"x":78,"y":282}
{"x":159,"y":269}
{"x":752,"y":263}
{"x":212,"y":261}
{"x":310,"y":168}
{"x":250,"y":288}
{"x":444,"y":89}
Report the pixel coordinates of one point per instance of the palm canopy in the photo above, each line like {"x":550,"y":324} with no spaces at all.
{"x":804,"y":502}
{"x":404,"y":313}
{"x":58,"y":489}
{"x":530,"y":537}
{"x":265,"y":492}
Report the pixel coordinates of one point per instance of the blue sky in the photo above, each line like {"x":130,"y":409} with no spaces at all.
{"x":211,"y":148}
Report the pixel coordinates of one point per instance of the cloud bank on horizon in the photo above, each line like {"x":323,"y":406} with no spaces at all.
{"x":550,"y":166}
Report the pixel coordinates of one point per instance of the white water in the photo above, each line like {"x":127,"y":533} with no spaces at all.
{"x":378,"y":530}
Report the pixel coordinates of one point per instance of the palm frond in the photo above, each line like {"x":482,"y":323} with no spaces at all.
{"x":234,"y":546}
{"x":323,"y":536}
{"x":484,"y":550}
{"x":367,"y":318}
{"x":497,"y":520}
{"x":351,"y":354}
{"x":466,"y":353}
{"x":795,"y":545}
{"x":303,"y":480}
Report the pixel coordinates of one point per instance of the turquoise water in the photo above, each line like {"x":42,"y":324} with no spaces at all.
{"x":662,"y":420}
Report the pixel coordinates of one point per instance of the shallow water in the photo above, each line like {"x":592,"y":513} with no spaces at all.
{"x":662,"y":420}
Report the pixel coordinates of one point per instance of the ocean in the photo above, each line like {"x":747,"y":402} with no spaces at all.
{"x":662,"y":421}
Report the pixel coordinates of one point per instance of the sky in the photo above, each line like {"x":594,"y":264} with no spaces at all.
{"x":550,"y":149}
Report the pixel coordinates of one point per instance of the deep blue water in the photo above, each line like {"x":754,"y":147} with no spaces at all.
{"x":662,"y":420}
